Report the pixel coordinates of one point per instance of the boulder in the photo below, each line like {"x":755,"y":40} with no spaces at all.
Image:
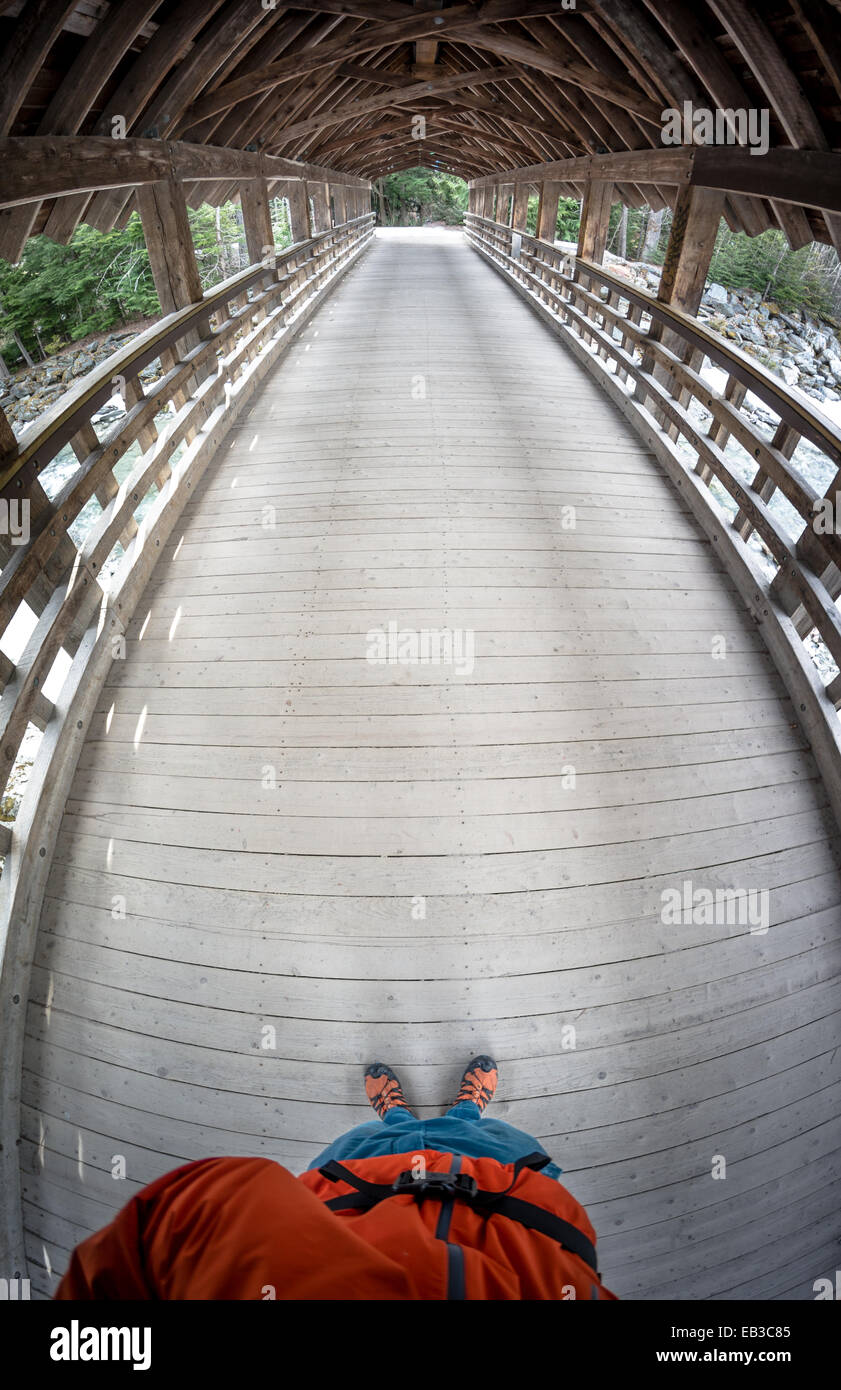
{"x":715,"y":294}
{"x":82,"y":364}
{"x":753,"y":333}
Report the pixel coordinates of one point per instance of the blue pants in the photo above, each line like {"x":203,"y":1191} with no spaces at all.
{"x":461,"y":1131}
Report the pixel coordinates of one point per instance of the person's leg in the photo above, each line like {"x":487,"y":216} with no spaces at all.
{"x":478,"y":1086}
{"x":385,"y":1094}
{"x":466,"y":1127}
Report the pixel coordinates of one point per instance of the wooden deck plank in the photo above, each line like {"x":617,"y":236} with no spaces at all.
{"x":419,"y":453}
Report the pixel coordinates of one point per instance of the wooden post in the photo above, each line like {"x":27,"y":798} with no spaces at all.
{"x":172,"y":257}
{"x":519,"y":212}
{"x":595,"y":219}
{"x":488,"y":193}
{"x":8,"y":442}
{"x":257,"y":218}
{"x":503,"y":203}
{"x":695,"y":224}
{"x":547,"y":211}
{"x":593,"y":228}
{"x":169,"y":242}
{"x":697,"y":214}
{"x":299,"y":210}
{"x":339,"y":204}
{"x":321,"y":206}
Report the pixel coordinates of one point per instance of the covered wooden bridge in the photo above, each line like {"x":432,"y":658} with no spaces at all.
{"x":259,"y":846}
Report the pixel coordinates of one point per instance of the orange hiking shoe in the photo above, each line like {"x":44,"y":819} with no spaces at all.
{"x":383,"y":1089}
{"x":479,"y":1082}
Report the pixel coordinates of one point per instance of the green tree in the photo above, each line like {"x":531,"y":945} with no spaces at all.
{"x":415,"y":196}
{"x":56,"y":294}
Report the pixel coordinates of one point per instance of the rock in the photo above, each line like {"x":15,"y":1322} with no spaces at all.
{"x":82,"y":364}
{"x":751,"y":331}
{"x":790,"y":374}
{"x":834,"y":367}
{"x":830,"y":395}
{"x":715,"y":294}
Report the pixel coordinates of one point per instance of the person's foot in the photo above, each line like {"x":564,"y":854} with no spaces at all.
{"x":383,"y":1089}
{"x":479,"y":1082}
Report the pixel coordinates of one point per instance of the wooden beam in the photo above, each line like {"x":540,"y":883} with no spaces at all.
{"x":595,"y":219}
{"x":809,"y":178}
{"x":293,"y":68}
{"x":579,"y":73}
{"x":299,"y":211}
{"x":547,"y":211}
{"x":771,"y":69}
{"x":257,"y":218}
{"x":685,"y":28}
{"x":35,"y":31}
{"x":196,"y":70}
{"x":337,"y":115}
{"x":318,"y":192}
{"x":695,"y":224}
{"x":97,"y":59}
{"x":167,"y":45}
{"x":8,"y":442}
{"x":169,"y":242}
{"x":337,"y":194}
{"x":426,"y":50}
{"x":520,"y":207}
{"x":820,"y":21}
{"x":50,"y":166}
{"x":504,"y":193}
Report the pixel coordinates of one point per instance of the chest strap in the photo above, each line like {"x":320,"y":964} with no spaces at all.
{"x":448,"y":1187}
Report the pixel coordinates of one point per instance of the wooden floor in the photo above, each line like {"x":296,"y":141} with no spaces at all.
{"x":276,"y":814}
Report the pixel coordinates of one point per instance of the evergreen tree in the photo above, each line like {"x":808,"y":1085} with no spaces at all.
{"x":415,"y":196}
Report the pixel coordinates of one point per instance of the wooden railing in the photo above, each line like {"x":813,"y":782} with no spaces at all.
{"x":212,"y":355}
{"x":785,"y":560}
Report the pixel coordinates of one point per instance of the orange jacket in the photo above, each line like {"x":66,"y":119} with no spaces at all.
{"x":246,"y":1228}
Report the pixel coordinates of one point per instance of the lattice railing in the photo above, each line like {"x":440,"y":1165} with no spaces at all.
{"x":208,"y":354}
{"x":778,"y":532}
{"x":92,"y":543}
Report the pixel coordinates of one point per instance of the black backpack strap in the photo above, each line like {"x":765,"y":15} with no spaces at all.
{"x":459,"y":1186}
{"x":538,"y":1219}
{"x":367,"y":1193}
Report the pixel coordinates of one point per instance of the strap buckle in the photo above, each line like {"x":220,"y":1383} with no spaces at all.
{"x":443,"y":1186}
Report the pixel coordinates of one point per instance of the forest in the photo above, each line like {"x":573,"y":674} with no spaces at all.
{"x":57,"y":295}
